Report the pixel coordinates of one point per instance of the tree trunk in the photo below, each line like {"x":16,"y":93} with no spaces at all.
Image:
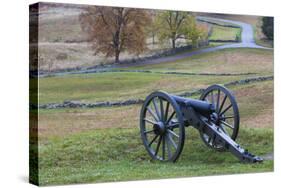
{"x":174,"y":43}
{"x":117,"y":56}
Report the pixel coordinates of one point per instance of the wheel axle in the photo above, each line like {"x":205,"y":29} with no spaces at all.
{"x":159,"y":128}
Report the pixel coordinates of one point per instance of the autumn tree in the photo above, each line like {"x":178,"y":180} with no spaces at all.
{"x":152,"y":29}
{"x":113,"y":30}
{"x":196,"y":32}
{"x":172,"y":25}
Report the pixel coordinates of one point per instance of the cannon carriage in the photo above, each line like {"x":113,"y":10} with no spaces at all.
{"x":164,"y":118}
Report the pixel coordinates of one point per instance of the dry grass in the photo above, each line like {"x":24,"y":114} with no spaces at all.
{"x":235,"y":61}
{"x":222,"y":61}
{"x":58,"y":123}
{"x":60,"y":25}
{"x":74,"y":55}
{"x":79,"y":55}
{"x":256,"y":104}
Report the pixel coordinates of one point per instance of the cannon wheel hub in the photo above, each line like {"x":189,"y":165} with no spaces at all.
{"x":159,"y":128}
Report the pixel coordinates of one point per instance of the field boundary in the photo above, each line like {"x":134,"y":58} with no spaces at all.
{"x":218,"y":24}
{"x":78,"y":104}
{"x":152,"y":72}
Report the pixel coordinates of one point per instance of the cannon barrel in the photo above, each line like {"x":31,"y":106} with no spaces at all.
{"x":202,"y":107}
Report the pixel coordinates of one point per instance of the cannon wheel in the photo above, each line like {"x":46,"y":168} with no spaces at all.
{"x":227,"y":113}
{"x":162,"y":127}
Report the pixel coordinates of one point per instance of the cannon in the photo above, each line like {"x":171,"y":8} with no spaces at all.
{"x":164,"y":117}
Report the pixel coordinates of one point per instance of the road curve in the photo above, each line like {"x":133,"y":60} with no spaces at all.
{"x":247,"y":41}
{"x":247,"y":35}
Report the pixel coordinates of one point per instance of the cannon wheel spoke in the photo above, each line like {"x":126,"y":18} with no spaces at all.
{"x":172,"y":141}
{"x":166,"y":111}
{"x":162,"y":127}
{"x":148,"y":131}
{"x":173,"y":133}
{"x":226,"y":124}
{"x":149,"y":121}
{"x":226,"y":110}
{"x":218,"y":101}
{"x":168,"y":147}
{"x":156,"y":108}
{"x":158,"y":145}
{"x":173,"y":125}
{"x":170,"y":118}
{"x":161,"y":110}
{"x":223,"y":101}
{"x":155,"y":137}
{"x":152,"y":113}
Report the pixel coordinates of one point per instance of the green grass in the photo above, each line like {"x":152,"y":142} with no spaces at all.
{"x":222,"y":61}
{"x":118,"y":154}
{"x":255,"y":108}
{"x":224,"y":33}
{"x":119,"y":86}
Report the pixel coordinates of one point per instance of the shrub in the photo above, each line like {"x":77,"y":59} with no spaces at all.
{"x":267,"y":27}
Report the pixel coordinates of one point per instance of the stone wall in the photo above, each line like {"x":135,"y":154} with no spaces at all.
{"x":78,"y":104}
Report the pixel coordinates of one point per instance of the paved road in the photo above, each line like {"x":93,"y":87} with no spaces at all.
{"x":247,"y":35}
{"x":247,"y":41}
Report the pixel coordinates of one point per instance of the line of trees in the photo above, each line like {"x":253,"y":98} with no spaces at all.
{"x":113,"y":30}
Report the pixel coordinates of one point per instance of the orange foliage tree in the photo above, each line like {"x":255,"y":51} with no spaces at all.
{"x":113,"y":30}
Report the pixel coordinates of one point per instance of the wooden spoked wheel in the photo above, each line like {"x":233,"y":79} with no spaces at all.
{"x":226,"y":116}
{"x":162,"y":127}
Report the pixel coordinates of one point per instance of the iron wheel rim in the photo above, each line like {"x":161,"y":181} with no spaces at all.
{"x":167,"y":132}
{"x":227,"y":113}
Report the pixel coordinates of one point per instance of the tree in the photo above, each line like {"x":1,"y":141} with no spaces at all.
{"x":267,"y":27}
{"x":172,"y":25}
{"x":152,"y":29}
{"x":113,"y":30}
{"x":196,"y":32}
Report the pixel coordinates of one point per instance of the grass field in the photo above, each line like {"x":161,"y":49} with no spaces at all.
{"x":121,"y":86}
{"x":118,"y":154}
{"x":103,"y":144}
{"x":256,"y":109}
{"x":86,"y":145}
{"x":225,"y":33}
{"x":222,"y":61}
